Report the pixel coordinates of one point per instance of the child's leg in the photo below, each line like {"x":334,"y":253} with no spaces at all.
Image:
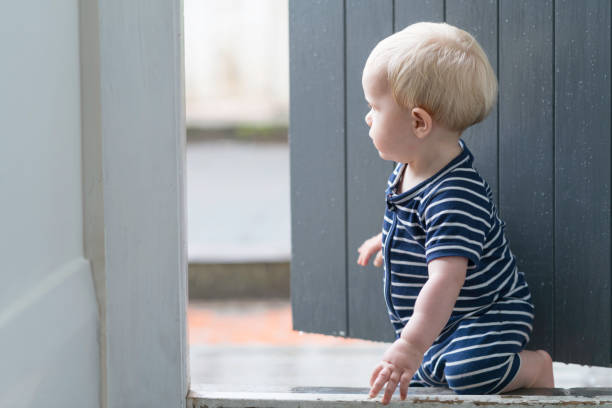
{"x":535,"y":371}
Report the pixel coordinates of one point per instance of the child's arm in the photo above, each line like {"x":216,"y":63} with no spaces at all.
{"x":432,"y":310}
{"x":435,"y":302}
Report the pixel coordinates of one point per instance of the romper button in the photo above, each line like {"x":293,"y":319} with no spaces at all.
{"x":390,"y":205}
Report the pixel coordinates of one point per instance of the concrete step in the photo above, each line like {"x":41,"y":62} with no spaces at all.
{"x":238,"y":280}
{"x":214,"y":395}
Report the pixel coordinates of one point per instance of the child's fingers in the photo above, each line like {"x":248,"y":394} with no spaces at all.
{"x":377,"y":370}
{"x":364,"y":259}
{"x":365,"y":255}
{"x":380,"y":380}
{"x":369,"y":248}
{"x":360,"y":259}
{"x":378,"y":261}
{"x":404,"y":384}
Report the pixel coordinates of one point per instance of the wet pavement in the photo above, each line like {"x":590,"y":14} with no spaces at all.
{"x":251,"y":343}
{"x":238,"y":201}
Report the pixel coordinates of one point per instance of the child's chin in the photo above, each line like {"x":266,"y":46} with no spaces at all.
{"x":384,"y":156}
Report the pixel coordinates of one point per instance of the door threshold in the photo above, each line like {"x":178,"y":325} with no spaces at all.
{"x":243,"y":396}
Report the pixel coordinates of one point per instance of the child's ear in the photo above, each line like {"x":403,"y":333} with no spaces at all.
{"x":422,"y":121}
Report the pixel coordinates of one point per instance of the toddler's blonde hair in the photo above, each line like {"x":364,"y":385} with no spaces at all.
{"x":440,"y":68}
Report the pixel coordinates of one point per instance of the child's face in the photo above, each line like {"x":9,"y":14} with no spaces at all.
{"x":390,"y":125}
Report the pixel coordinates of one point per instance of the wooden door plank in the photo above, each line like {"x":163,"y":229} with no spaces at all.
{"x":367,"y":23}
{"x":526,"y":151}
{"x":582,"y":182}
{"x":317,"y":161}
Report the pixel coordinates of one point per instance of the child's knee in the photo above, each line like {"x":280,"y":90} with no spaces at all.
{"x":546,"y":358}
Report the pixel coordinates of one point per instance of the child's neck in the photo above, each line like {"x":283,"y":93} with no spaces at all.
{"x":432,"y":160}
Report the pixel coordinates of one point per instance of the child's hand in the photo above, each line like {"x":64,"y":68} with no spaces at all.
{"x":368,"y":248}
{"x":398,"y":365}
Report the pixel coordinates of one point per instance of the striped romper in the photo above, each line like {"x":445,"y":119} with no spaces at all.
{"x":452,"y":214}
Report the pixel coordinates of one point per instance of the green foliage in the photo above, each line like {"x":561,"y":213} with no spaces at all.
{"x":242,"y":132}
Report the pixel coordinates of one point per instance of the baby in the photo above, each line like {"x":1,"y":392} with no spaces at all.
{"x":460,"y":307}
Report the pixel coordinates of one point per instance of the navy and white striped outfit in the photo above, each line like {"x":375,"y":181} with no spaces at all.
{"x":453,"y":214}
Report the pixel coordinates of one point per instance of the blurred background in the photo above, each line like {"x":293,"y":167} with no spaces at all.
{"x":237,"y":115}
{"x":238,"y":209}
{"x":239,"y":237}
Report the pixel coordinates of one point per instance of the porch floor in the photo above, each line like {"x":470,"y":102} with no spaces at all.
{"x":250,"y":343}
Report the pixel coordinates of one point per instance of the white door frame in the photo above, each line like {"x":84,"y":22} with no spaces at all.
{"x":132,"y":75}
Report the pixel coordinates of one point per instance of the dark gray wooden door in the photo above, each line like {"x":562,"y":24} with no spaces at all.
{"x":545,"y":151}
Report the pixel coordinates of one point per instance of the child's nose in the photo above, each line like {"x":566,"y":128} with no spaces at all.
{"x":368,"y":119}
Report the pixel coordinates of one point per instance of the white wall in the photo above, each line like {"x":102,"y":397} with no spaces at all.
{"x":48,"y":311}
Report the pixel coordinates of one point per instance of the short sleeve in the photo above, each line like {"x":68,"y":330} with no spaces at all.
{"x":457,"y":220}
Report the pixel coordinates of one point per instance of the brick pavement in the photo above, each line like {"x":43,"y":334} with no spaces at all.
{"x":251,"y":322}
